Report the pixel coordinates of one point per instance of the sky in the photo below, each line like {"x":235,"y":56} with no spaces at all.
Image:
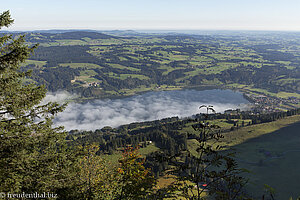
{"x":279,"y":15}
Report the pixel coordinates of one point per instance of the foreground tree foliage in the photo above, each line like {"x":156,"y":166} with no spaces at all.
{"x":33,"y":155}
{"x":99,"y":179}
{"x":135,"y":181}
{"x":96,"y":178}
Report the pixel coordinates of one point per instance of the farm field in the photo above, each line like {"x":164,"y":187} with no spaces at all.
{"x":142,"y":62}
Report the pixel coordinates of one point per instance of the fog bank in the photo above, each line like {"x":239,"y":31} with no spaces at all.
{"x":146,"y":107}
{"x":59,"y":97}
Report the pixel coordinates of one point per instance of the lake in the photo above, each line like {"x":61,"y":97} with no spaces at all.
{"x":146,"y":107}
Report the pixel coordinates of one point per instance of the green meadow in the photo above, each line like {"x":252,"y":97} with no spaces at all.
{"x":37,"y":63}
{"x":273,"y":159}
{"x":174,"y":60}
{"x":80,"y":65}
{"x":270,"y":151}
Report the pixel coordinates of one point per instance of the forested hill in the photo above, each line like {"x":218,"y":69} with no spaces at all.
{"x":73,"y":35}
{"x":98,"y":65}
{"x":251,"y":134}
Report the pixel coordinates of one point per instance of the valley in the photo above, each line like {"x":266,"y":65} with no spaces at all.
{"x":139,"y":100}
{"x":99,"y":71}
{"x":96,"y":65}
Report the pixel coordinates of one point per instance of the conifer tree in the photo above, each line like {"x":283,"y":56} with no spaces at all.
{"x":33,"y":156}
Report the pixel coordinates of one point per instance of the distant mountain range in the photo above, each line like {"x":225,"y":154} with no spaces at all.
{"x":73,"y":31}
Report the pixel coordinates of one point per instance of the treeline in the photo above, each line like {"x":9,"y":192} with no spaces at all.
{"x":256,"y":118}
{"x":160,"y":131}
{"x":166,"y":134}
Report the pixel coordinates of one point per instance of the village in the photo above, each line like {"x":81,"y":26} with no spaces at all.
{"x":269,"y":104}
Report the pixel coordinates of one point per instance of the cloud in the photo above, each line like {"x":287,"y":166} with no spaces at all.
{"x":146,"y":107}
{"x":59,"y":97}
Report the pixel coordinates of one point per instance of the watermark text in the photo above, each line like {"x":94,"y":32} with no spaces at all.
{"x":34,"y":195}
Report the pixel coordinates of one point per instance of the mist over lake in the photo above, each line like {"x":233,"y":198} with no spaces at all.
{"x":144,"y":107}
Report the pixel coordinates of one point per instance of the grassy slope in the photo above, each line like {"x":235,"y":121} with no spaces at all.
{"x":244,"y":134}
{"x":114,"y":158}
{"x":34,"y":62}
{"x":273,"y":157}
{"x":80,"y":65}
{"x":271,"y":152}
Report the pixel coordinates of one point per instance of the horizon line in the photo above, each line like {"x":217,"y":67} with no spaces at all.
{"x":148,"y":30}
